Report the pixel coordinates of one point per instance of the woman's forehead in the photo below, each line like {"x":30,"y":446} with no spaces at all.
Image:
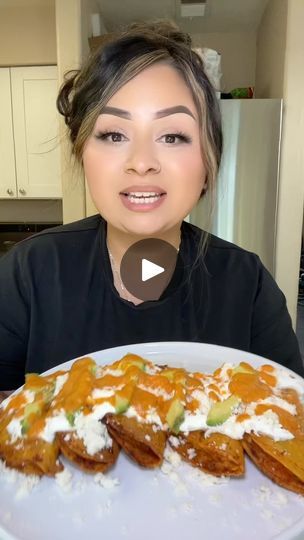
{"x":157,"y":89}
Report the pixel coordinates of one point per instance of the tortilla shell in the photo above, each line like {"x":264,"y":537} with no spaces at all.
{"x":32,"y":456}
{"x":216,"y":454}
{"x":281,"y":461}
{"x":142,"y":442}
{"x":75,"y":451}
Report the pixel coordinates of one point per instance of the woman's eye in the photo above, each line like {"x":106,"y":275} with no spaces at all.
{"x":175,"y":138}
{"x":110,"y":136}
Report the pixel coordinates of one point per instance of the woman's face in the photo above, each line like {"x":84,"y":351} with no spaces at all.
{"x":143,"y":161}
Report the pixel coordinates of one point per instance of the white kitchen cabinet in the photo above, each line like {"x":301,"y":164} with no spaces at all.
{"x":29,"y":144}
{"x":7,"y":153}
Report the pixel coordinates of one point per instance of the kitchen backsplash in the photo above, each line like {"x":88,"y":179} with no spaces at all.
{"x":33,"y":211}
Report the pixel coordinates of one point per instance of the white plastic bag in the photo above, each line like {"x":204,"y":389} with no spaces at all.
{"x":212,"y":63}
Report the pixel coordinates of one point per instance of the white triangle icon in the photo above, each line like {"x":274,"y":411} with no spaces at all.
{"x":150,"y":269}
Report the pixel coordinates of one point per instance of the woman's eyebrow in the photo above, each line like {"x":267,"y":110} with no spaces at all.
{"x":159,"y":114}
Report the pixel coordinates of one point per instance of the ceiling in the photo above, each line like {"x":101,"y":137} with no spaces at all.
{"x":26,"y":3}
{"x":220,"y":15}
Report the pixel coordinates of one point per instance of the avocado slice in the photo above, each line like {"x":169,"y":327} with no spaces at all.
{"x":175,"y":416}
{"x":30,"y":410}
{"x":121,"y":404}
{"x":70,"y":416}
{"x":243,"y":368}
{"x":132,"y":360}
{"x":221,"y":411}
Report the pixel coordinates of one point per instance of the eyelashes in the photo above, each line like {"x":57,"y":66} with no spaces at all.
{"x":118,"y":137}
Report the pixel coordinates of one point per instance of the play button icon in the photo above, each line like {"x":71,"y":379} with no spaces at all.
{"x":150,"y":270}
{"x":147,"y":268}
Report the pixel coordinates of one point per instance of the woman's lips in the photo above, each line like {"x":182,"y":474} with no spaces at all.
{"x":142,"y":198}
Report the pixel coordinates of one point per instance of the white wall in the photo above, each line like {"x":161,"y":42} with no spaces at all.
{"x":271,"y":48}
{"x":291,"y":196}
{"x":238,"y":60}
{"x":27,"y":35}
{"x":280,"y":53}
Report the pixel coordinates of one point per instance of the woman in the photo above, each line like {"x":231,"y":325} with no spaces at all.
{"x":144,"y":123}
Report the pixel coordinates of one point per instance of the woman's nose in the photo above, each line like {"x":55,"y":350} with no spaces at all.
{"x":142,"y":160}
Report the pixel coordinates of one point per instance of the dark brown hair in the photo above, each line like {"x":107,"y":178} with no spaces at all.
{"x":125,"y":54}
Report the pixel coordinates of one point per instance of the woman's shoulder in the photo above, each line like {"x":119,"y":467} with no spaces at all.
{"x":61,"y":240}
{"x":90,"y":223}
{"x":219,"y":253}
{"x":214,"y":242}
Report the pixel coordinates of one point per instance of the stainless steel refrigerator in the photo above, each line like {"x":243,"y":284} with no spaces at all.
{"x":248,"y":181}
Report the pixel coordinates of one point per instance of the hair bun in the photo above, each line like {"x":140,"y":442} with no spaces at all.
{"x":165,"y":28}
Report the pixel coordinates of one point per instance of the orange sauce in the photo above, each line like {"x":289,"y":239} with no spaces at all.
{"x":267,"y":378}
{"x":17,"y":404}
{"x":77,"y":387}
{"x":249,"y":387}
{"x":36,"y":427}
{"x":192,"y":405}
{"x":267,"y":367}
{"x":214,"y":387}
{"x":242,"y":417}
{"x":156,"y":382}
{"x":287,"y":420}
{"x":142,"y":401}
{"x":213,"y":395}
{"x":247,"y":366}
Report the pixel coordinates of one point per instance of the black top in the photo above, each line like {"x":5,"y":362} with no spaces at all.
{"x":58,"y":301}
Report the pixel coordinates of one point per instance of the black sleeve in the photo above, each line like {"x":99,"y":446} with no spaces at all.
{"x":272,"y":335}
{"x":14,"y":320}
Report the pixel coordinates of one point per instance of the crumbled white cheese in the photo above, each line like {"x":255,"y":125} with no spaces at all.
{"x":172,"y":461}
{"x":151,"y":417}
{"x":58,"y":422}
{"x":15,"y":429}
{"x":215,"y":498}
{"x":204,"y":401}
{"x":105,"y":508}
{"x":105,"y":481}
{"x":204,"y":479}
{"x":64,"y":480}
{"x":273,"y":496}
{"x":152,"y":369}
{"x":187,"y":507}
{"x":113,"y":372}
{"x":159,"y":392}
{"x":93,"y":433}
{"x":104,"y":392}
{"x":279,"y":402}
{"x":267,"y":423}
{"x":24,"y":483}
{"x":147,"y":437}
{"x":289,"y":380}
{"x":172,"y":457}
{"x":174,"y":441}
{"x":60,"y":381}
{"x":99,"y":411}
{"x":191,"y":453}
{"x":267,"y":514}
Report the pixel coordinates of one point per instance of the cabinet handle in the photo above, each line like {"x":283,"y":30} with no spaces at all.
{"x":10,"y":192}
{"x":22,"y":191}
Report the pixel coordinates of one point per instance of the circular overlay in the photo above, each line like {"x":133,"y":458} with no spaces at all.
{"x":147,"y":268}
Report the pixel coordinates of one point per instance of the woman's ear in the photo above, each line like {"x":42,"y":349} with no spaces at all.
{"x":205,"y":188}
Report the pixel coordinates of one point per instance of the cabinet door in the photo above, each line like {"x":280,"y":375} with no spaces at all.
{"x":35,"y":120}
{"x":7,"y":156}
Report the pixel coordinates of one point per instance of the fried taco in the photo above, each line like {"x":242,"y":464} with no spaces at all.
{"x":75,"y":450}
{"x":144,"y":443}
{"x":216,"y":454}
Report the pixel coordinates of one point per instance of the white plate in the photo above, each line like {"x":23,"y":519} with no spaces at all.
{"x":148,"y":504}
